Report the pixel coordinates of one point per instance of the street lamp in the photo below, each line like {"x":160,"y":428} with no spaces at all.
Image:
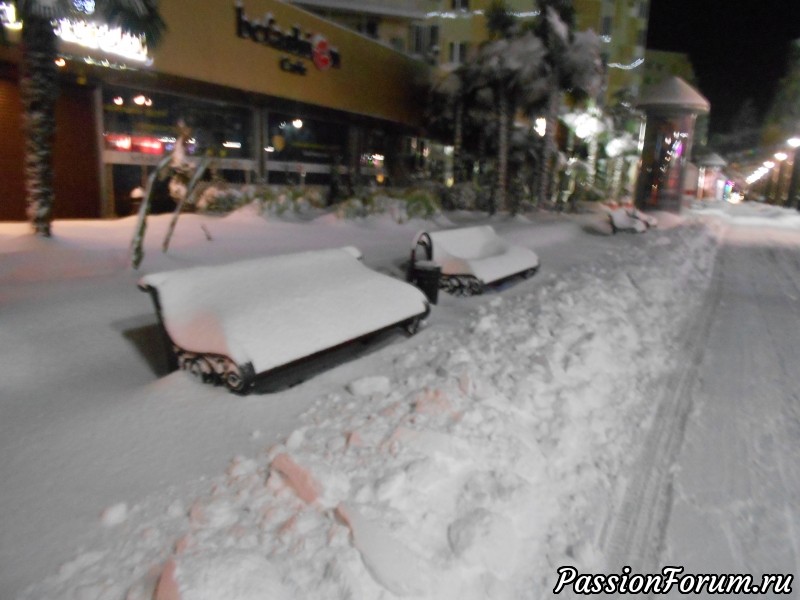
{"x":794,"y":180}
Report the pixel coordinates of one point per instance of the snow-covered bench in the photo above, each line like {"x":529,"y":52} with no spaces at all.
{"x":472,"y":257}
{"x":630,"y":218}
{"x":232,"y":323}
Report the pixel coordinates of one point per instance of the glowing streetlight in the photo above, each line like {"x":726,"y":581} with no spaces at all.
{"x":781,"y":156}
{"x":769,"y":164}
{"x":794,"y":142}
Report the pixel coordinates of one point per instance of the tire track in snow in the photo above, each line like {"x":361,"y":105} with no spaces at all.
{"x":634,"y":534}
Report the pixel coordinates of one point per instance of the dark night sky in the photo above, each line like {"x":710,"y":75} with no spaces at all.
{"x":739,"y":48}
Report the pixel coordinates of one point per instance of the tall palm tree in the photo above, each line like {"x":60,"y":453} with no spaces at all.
{"x":39,"y":84}
{"x":573,"y":65}
{"x":512,"y":69}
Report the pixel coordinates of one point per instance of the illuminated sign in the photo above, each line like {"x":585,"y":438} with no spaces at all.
{"x":307,"y":45}
{"x":126,"y":143}
{"x":111,"y":40}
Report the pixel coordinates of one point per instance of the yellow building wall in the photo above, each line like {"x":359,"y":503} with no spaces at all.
{"x":372,"y":80}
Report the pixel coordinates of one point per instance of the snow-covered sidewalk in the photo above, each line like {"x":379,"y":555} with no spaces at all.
{"x":467,"y":462}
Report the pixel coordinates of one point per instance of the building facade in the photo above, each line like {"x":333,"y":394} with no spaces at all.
{"x":622,"y":27}
{"x":447,"y":32}
{"x":270,"y":91}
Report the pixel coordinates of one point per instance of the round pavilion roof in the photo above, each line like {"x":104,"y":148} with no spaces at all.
{"x":712,"y":159}
{"x":673,"y":95}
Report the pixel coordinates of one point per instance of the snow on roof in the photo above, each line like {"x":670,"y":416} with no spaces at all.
{"x":712,"y":159}
{"x":673,"y":94}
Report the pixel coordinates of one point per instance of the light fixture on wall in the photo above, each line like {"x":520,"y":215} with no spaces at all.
{"x":297,"y":123}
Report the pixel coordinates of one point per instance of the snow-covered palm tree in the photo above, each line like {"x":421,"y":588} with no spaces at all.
{"x":512,"y":69}
{"x":572,"y":63}
{"x":39,"y":85}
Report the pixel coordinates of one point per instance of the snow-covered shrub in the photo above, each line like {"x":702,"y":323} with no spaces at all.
{"x":421,"y":203}
{"x":280,"y":201}
{"x":352,"y":208}
{"x":468,"y":196}
{"x":219,"y":199}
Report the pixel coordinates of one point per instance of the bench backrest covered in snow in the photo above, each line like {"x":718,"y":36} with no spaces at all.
{"x":479,"y":253}
{"x":231,"y":323}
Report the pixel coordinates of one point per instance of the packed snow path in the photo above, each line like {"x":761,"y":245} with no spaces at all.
{"x":717,"y":487}
{"x":737,"y":485}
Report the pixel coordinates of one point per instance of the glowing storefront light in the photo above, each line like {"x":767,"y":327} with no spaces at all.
{"x":96,"y":36}
{"x":233,"y":145}
{"x":781,"y":156}
{"x":794,"y":142}
{"x":111,"y":40}
{"x":297,"y":123}
{"x":8,"y":16}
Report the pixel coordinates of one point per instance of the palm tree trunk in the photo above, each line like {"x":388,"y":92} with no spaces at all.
{"x":39,"y":90}
{"x":458,"y":136}
{"x":503,"y":111}
{"x":549,"y":146}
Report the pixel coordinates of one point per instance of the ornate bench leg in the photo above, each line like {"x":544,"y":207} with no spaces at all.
{"x":462,"y":285}
{"x":217,"y":369}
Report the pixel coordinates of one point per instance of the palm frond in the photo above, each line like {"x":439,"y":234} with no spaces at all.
{"x":45,"y":9}
{"x":138,"y":17}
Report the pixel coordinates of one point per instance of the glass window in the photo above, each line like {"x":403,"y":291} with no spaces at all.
{"x":458,"y":52}
{"x":606,"y":26}
{"x":145,"y":122}
{"x":297,"y":139}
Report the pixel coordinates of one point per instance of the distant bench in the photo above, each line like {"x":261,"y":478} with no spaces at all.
{"x":233,"y":323}
{"x":473,"y":257}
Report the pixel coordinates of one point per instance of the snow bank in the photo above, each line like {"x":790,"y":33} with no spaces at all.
{"x":467,"y":469}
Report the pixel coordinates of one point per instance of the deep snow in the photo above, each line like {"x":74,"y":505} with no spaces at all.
{"x":467,"y":462}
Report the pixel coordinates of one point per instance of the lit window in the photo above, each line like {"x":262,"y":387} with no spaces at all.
{"x":458,"y":52}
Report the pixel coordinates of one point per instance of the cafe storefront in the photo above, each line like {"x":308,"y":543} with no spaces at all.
{"x":270,"y":92}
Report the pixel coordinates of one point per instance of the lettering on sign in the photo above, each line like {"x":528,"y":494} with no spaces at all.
{"x":305,"y":45}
